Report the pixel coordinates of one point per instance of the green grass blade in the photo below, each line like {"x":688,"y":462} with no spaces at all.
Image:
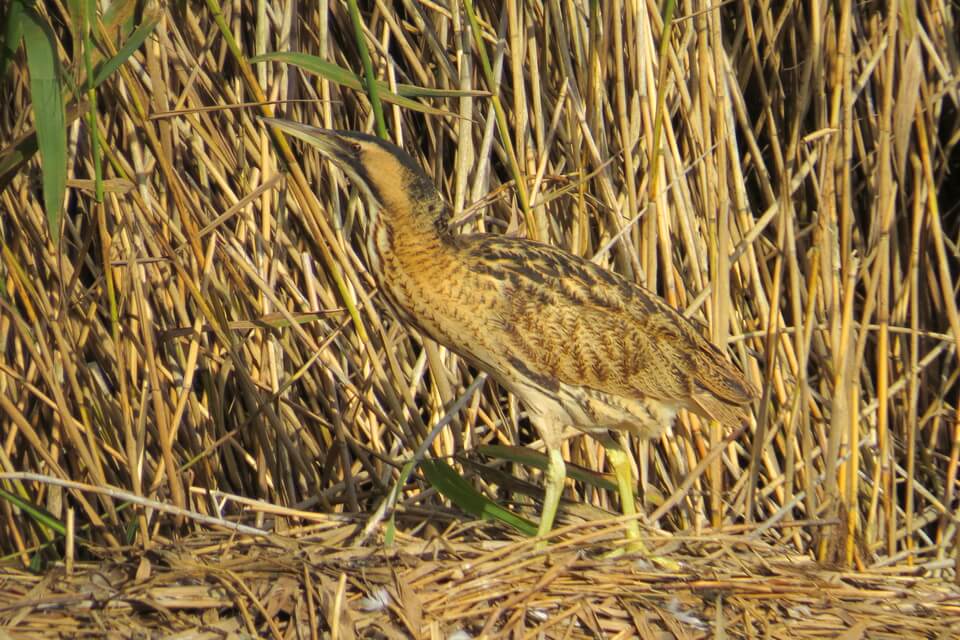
{"x":83,"y":18}
{"x":370,"y":84}
{"x":412,"y":90}
{"x":136,"y":39}
{"x":346,"y":78}
{"x":390,"y":533}
{"x":314,"y":64}
{"x":40,"y":515}
{"x":661,"y":94}
{"x":448,"y":482}
{"x":13,"y":157}
{"x":46,"y":93}
{"x":10,"y":35}
{"x":501,"y":118}
{"x":537,"y":460}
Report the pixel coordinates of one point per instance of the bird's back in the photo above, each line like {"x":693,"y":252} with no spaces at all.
{"x":547,"y":323}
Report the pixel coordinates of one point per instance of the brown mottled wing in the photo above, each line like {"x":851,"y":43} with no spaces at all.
{"x":572,"y":321}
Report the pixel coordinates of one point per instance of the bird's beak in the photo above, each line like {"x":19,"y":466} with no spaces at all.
{"x":325,"y":140}
{"x":332,"y":144}
{"x":336,"y":146}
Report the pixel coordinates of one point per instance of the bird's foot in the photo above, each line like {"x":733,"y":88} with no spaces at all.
{"x":640,"y":549}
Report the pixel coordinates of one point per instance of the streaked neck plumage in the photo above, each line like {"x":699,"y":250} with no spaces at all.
{"x":407,"y":217}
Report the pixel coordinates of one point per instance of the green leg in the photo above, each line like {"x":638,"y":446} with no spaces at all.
{"x":620,"y":461}
{"x":556,"y":474}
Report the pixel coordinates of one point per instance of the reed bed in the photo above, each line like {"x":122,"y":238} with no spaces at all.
{"x":470,"y":583}
{"x":204,"y":339}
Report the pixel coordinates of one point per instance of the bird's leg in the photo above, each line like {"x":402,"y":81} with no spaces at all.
{"x":553,"y":483}
{"x":620,"y":461}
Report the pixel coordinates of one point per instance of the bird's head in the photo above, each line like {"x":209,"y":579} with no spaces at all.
{"x":388,"y":177}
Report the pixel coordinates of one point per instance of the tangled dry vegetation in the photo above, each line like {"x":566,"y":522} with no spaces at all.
{"x":206,"y":341}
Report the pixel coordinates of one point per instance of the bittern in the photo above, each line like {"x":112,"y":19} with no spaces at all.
{"x":577,"y":344}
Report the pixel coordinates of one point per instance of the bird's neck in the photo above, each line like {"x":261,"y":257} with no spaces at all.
{"x":409,"y":237}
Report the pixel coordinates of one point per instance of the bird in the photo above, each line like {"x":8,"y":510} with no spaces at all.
{"x":577,"y":344}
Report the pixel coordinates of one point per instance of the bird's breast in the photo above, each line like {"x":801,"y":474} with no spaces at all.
{"x":430,"y":287}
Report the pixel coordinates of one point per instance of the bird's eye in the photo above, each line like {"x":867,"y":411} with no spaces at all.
{"x":356,"y":147}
